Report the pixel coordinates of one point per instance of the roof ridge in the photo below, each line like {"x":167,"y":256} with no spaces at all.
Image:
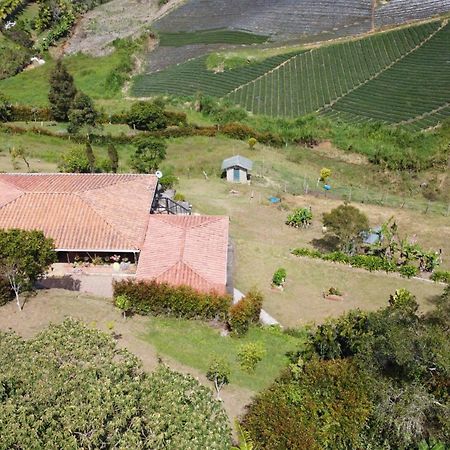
{"x":184,"y":263}
{"x":118,"y":232}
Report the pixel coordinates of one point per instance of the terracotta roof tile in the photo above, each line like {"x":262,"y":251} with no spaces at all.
{"x":186,"y":250}
{"x":79,"y":211}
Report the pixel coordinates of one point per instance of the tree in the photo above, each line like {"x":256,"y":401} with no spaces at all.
{"x":219,"y":373}
{"x":123,"y":303}
{"x":90,"y":157}
{"x":347,"y":223}
{"x":24,"y":257}
{"x":62,"y":92}
{"x":19,"y":152}
{"x":146,"y":116}
{"x":324,"y":174}
{"x":75,"y":161}
{"x":71,"y":387}
{"x":113,"y":158}
{"x":82,"y":113}
{"x":148,"y":155}
{"x":5,"y":109}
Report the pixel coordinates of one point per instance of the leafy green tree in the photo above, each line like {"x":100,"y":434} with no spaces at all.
{"x":249,"y":355}
{"x":219,"y":373}
{"x":82,"y":113}
{"x":24,"y":257}
{"x":90,"y":157}
{"x":75,"y":161}
{"x":149,"y":154}
{"x":347,"y":223}
{"x":113,"y":158}
{"x":147,"y":116}
{"x":70,"y":387}
{"x":5,"y":109}
{"x":62,"y":92}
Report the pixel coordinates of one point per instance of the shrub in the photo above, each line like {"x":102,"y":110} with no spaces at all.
{"x":333,"y":291}
{"x":441,"y":275}
{"x":5,"y":109}
{"x":300,"y":217}
{"x":25,"y":113}
{"x":149,"y":153}
{"x":249,"y":355}
{"x":75,"y":161}
{"x":219,"y":373}
{"x":147,"y":116}
{"x":252,"y":142}
{"x":6,"y":293}
{"x":150,"y":297}
{"x":242,"y":314}
{"x":279,"y":277}
{"x":123,"y":303}
{"x":408,"y":271}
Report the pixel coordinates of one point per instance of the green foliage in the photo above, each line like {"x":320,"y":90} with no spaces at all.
{"x":62,"y":92}
{"x":90,"y":157}
{"x":5,"y":109}
{"x":6,"y":293}
{"x":242,"y":314}
{"x":249,"y":355}
{"x":219,"y":373}
{"x":148,"y":155}
{"x":325,"y":407}
{"x":75,"y":161}
{"x":14,"y":57}
{"x":347,"y":223}
{"x":324,"y":174}
{"x":113,"y":157}
{"x":163,"y":299}
{"x":123,"y":303}
{"x":300,"y":217}
{"x":441,"y":275}
{"x":147,"y":116}
{"x":252,"y":142}
{"x":408,"y":271}
{"x":71,"y":387}
{"x":82,"y":113}
{"x":279,"y":277}
{"x":25,"y":256}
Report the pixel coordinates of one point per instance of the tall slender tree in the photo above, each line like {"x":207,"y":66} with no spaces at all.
{"x":113,"y":157}
{"x":62,"y":92}
{"x":91,"y":157}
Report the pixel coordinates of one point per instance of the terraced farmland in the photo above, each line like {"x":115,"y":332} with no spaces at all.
{"x":415,"y":90}
{"x":182,"y":38}
{"x":192,"y":77}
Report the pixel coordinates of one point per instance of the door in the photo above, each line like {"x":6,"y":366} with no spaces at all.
{"x":236,"y":175}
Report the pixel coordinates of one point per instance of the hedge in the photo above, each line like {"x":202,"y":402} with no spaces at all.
{"x":441,"y":276}
{"x":244,"y":313}
{"x":150,"y":297}
{"x":367,"y":262}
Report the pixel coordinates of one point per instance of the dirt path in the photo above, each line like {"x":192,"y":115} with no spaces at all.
{"x":114,"y":20}
{"x":53,"y":306}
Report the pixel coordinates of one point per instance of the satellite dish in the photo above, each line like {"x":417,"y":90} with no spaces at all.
{"x":158,"y":174}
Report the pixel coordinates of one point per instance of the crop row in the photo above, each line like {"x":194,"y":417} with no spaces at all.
{"x":180,"y":39}
{"x":193,"y":76}
{"x":316,"y":78}
{"x":415,"y":86}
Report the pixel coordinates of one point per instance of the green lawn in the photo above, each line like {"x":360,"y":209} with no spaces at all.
{"x":31,"y":87}
{"x":195,"y":344}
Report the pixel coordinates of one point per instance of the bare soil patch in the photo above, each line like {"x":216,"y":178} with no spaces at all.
{"x":116,"y":19}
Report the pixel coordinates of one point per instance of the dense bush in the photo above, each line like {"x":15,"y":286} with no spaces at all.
{"x":150,"y":297}
{"x":367,"y":380}
{"x":71,"y":387}
{"x":300,"y":217}
{"x":441,"y":275}
{"x":147,"y":116}
{"x":5,"y":109}
{"x":6,"y":293}
{"x":75,"y":161}
{"x":244,"y":313}
{"x":279,"y":277}
{"x":25,"y":113}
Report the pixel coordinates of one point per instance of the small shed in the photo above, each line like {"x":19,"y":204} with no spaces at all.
{"x":237,"y":169}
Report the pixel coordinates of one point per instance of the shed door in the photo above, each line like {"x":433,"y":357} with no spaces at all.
{"x":236,"y":174}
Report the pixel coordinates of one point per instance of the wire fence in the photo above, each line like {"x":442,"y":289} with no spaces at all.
{"x":303,"y":185}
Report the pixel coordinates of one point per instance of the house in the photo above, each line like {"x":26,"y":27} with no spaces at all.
{"x":237,"y":169}
{"x":101,"y":215}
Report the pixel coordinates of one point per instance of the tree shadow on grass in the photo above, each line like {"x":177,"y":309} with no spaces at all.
{"x":326,"y":243}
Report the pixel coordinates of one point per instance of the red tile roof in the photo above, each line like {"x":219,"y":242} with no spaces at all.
{"x":80,"y":211}
{"x":186,"y":250}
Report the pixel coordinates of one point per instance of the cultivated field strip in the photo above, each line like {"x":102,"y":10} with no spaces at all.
{"x":415,"y":91}
{"x":188,"y":78}
{"x":315,"y":79}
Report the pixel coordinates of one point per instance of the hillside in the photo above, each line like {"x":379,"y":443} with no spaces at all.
{"x":351,"y":78}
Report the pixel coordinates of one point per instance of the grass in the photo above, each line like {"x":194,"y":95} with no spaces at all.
{"x":218,"y":36}
{"x":31,"y":87}
{"x":263,"y":243}
{"x":195,"y":344}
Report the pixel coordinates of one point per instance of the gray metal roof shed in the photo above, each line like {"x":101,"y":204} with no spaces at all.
{"x":238,"y":161}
